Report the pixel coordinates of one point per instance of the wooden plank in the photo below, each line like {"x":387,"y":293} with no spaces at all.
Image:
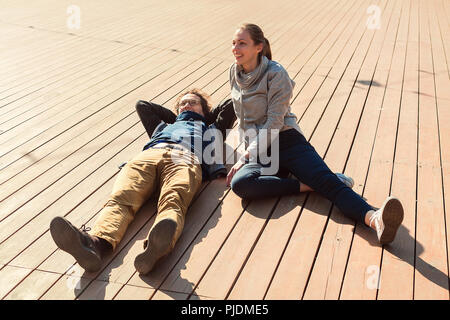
{"x":397,"y":274}
{"x":107,"y":274}
{"x":68,"y":287}
{"x":444,"y":26}
{"x":128,"y":249}
{"x":256,"y":275}
{"x":113,"y":87}
{"x":23,"y":196}
{"x":58,"y":135}
{"x":441,"y":53}
{"x":81,"y":47}
{"x":9,"y":277}
{"x":113,"y":164}
{"x":431,"y":264}
{"x":175,"y":268}
{"x":170,"y":295}
{"x":286,"y":57}
{"x":326,"y":275}
{"x":147,"y":231}
{"x":41,"y":45}
{"x":46,"y":103}
{"x":307,"y":233}
{"x":228,"y":261}
{"x":205,"y":287}
{"x":100,"y":290}
{"x":129,"y":292}
{"x":33,"y":286}
{"x":212,"y":236}
{"x":27,"y":90}
{"x":21,"y":71}
{"x":361,"y":275}
{"x":149,"y":28}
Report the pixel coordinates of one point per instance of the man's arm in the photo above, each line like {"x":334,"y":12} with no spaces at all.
{"x":223,"y":116}
{"x":151,"y":114}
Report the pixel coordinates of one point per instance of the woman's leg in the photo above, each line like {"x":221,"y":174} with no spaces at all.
{"x":302,"y":160}
{"x":248,"y":183}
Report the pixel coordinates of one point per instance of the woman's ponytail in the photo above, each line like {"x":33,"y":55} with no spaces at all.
{"x":266,"y":49}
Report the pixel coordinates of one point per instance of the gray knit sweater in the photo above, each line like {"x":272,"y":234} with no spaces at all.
{"x":261,"y":98}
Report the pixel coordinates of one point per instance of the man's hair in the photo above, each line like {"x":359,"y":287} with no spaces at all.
{"x":204,"y":101}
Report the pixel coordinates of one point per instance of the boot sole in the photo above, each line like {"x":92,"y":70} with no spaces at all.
{"x":159,"y":241}
{"x":392,"y":219}
{"x":68,"y":239}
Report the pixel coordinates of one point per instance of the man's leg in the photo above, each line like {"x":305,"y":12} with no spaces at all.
{"x":179,"y":182}
{"x":133,"y":186}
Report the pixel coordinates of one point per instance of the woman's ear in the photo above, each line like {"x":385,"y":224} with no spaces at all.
{"x":260,"y":47}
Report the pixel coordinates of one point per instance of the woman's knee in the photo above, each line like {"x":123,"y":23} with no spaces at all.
{"x":244,"y":182}
{"x":244,"y":186}
{"x":328,"y":183}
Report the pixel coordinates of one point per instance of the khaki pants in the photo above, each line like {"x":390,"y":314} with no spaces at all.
{"x":178,"y":182}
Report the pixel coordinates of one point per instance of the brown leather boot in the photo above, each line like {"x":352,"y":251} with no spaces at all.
{"x":157,"y":245}
{"x":87,"y":250}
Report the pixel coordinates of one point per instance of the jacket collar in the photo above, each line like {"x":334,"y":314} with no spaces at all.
{"x":190,"y":116}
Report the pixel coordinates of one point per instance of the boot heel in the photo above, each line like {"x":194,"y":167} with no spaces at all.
{"x":158,"y":245}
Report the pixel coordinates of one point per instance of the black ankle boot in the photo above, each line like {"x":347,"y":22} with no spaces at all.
{"x":157,"y":245}
{"x":87,"y":250}
{"x":103,"y":246}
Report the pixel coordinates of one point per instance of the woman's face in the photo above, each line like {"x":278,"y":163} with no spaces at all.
{"x":190,"y":102}
{"x":244,"y":49}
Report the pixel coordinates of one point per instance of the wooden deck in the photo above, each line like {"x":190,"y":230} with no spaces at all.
{"x":374,"y":100}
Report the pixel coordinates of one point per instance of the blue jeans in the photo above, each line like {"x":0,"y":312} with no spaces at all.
{"x":299,"y":157}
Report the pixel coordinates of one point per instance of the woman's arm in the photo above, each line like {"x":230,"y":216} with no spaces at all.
{"x":279,"y":94}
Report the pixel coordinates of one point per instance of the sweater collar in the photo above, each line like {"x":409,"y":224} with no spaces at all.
{"x":190,"y":116}
{"x":246,"y":80}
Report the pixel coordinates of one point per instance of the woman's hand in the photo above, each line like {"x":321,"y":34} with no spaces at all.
{"x":233,"y":171}
{"x":238,"y":165}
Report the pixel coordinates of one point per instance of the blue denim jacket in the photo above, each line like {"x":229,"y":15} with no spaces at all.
{"x":188,"y":130}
